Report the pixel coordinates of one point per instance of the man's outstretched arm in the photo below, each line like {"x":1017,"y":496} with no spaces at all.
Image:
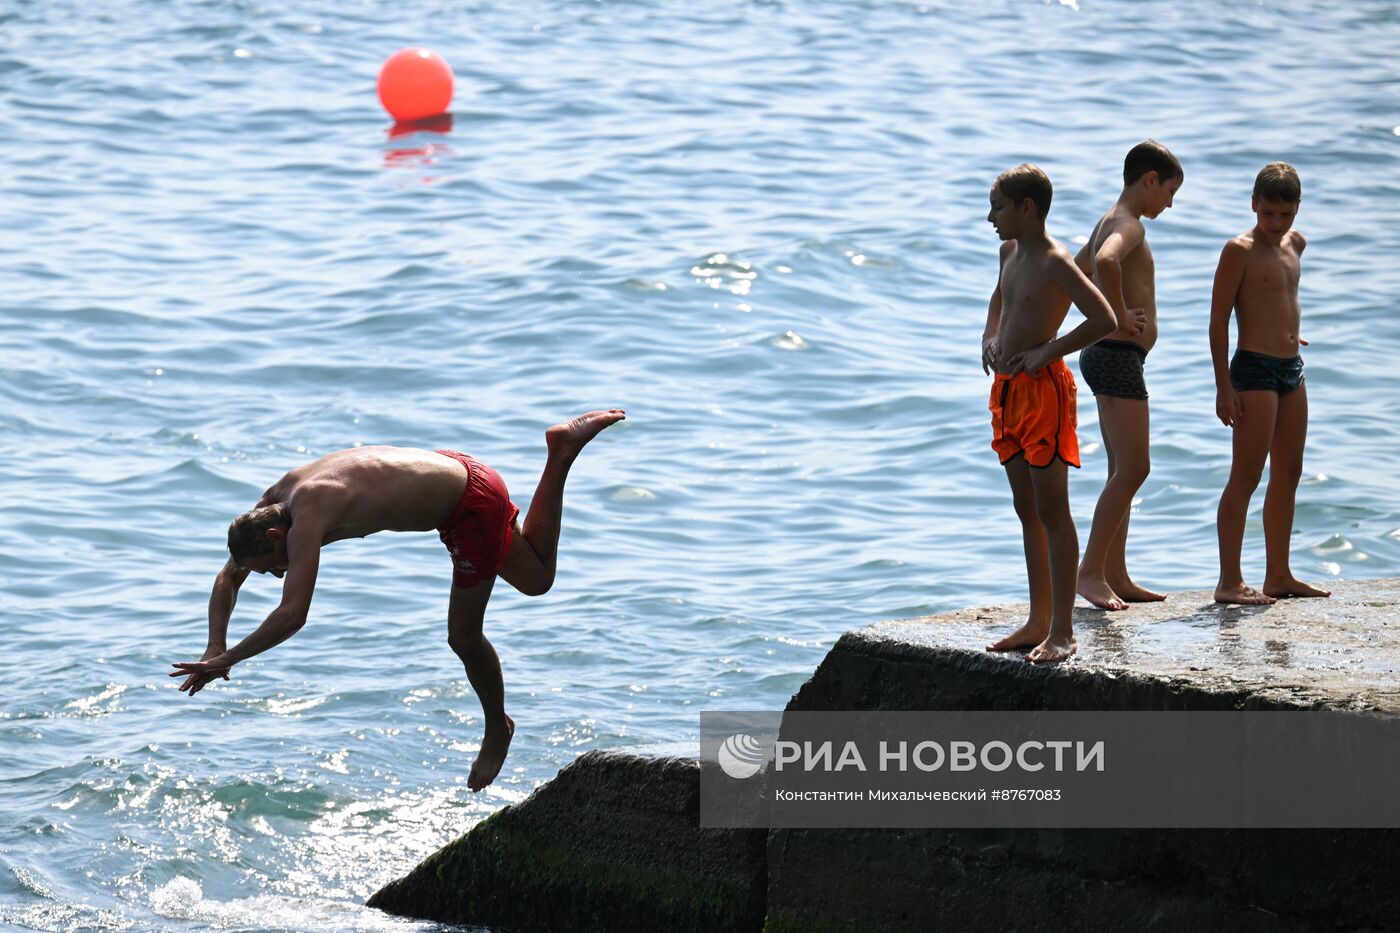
{"x":221,"y":602}
{"x":303,"y":561}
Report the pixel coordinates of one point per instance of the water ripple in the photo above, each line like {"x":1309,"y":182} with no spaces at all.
{"x":758,"y":228}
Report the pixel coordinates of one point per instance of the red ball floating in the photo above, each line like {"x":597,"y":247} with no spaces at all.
{"x":414,"y":84}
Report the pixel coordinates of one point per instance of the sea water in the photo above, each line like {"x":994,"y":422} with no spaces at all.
{"x":757,"y":226}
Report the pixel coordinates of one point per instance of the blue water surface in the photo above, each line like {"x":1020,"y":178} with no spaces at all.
{"x":757,"y":226}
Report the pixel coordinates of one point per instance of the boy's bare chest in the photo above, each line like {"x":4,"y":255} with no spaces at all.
{"x":1019,"y":278}
{"x":1025,"y":283}
{"x":1271,"y":271}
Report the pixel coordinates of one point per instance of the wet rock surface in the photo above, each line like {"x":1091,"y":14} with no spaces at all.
{"x":612,"y":843}
{"x":1186,"y":653}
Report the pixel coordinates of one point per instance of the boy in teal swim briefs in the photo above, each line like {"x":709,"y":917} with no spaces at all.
{"x":1261,"y":393}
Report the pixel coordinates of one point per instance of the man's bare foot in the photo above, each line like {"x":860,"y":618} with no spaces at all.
{"x":1099,"y":593}
{"x":494,"y":746}
{"x":1053,"y":650}
{"x":1032,"y":633}
{"x":567,"y":439}
{"x":1242,"y":595}
{"x":1292,"y":586}
{"x":1130,"y":592}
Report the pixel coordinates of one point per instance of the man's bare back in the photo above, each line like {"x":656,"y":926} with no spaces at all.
{"x":364,"y":490}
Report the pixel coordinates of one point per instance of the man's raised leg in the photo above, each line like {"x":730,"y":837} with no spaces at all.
{"x":1285,"y":469}
{"x":466,"y":613}
{"x":530,"y":565}
{"x":1037,"y":624}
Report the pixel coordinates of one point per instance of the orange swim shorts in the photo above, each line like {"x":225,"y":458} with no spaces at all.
{"x":1034,"y":415}
{"x":479,"y":531}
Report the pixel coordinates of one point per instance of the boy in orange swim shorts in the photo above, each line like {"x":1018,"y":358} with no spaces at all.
{"x":1033,"y":414}
{"x":1033,"y":397}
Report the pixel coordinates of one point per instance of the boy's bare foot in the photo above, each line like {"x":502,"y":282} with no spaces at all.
{"x":1099,"y":593}
{"x":567,"y":439}
{"x":1292,"y":586}
{"x":1028,"y":635}
{"x":1242,"y":595}
{"x":1053,"y":650}
{"x":494,"y":746}
{"x":1130,"y":592}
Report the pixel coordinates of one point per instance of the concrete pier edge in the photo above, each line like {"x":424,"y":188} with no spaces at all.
{"x":552,"y":862}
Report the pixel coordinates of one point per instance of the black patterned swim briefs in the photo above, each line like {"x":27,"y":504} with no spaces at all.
{"x":1254,"y":371}
{"x":1114,"y":367}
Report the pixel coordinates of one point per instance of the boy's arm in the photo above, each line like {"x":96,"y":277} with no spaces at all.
{"x":1228,"y":276}
{"x":1108,"y":264}
{"x":1098,"y":321}
{"x":1082,"y":260}
{"x":1302,"y":244}
{"x":989,"y":333}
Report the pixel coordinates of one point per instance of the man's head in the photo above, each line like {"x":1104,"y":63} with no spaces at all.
{"x":1020,"y":200}
{"x":1277,"y":193}
{"x":257,"y":540}
{"x":1155,"y":172}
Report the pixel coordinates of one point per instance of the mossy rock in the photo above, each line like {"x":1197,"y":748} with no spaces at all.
{"x":611,"y":844}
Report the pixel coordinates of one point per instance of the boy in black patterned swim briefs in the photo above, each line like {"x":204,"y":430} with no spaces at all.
{"x":1261,"y":394}
{"x":1120,"y":262}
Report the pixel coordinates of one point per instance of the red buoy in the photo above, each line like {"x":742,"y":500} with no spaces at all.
{"x":415,"y":83}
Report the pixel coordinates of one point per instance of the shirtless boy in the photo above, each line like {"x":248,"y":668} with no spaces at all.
{"x":1261,"y":394}
{"x":1032,"y":401}
{"x":1120,"y":262}
{"x":354,"y":493}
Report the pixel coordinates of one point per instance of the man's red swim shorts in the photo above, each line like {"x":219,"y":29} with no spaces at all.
{"x":478,"y":533}
{"x":1034,"y":414}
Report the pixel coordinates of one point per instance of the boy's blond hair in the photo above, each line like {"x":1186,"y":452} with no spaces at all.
{"x":1027,"y":181}
{"x":1278,"y":181}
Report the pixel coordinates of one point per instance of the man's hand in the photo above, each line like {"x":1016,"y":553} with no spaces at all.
{"x":1136,"y":320}
{"x":989,"y":354}
{"x":1032,"y":360}
{"x":198,"y":674}
{"x":1227,"y":406}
